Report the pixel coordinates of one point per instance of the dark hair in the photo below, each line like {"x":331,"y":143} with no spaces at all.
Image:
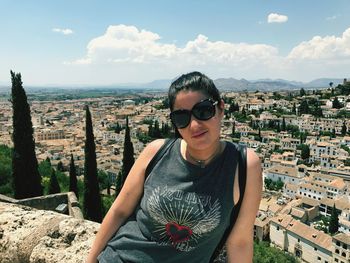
{"x":194,"y":81}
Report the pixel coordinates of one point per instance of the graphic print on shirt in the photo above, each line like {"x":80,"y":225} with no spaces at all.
{"x":181,"y":218}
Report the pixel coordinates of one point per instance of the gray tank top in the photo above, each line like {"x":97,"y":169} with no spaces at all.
{"x":183,"y":213}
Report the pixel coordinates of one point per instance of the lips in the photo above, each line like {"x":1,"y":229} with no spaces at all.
{"x":198,"y":134}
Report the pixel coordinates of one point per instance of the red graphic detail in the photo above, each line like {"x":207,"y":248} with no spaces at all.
{"x":178,"y":233}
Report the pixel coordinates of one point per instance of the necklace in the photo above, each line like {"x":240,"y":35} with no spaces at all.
{"x":201,"y":163}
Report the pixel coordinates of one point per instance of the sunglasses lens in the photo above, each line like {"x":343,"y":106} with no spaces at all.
{"x":204,"y":110}
{"x":180,"y":118}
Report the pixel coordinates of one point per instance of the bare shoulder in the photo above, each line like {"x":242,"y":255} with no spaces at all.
{"x":152,"y":148}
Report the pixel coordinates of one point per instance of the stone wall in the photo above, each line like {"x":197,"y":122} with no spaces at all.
{"x":50,"y":202}
{"x":31,"y":235}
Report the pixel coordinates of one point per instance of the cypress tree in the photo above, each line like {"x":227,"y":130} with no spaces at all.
{"x":334,"y":221}
{"x":118,"y":183}
{"x":73,"y":185}
{"x":92,"y":199}
{"x":278,"y":127}
{"x":259,"y":136}
{"x":60,"y":166}
{"x":128,"y":153}
{"x":333,"y":135}
{"x":284,"y":126}
{"x":343,"y":129}
{"x":294,"y":109}
{"x":26,"y":177}
{"x":304,"y":107}
{"x":54,"y":187}
{"x":233,"y":129}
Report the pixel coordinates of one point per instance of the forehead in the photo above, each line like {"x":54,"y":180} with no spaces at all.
{"x":186,"y":99}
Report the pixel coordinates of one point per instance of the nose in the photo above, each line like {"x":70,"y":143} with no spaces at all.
{"x":194,"y":122}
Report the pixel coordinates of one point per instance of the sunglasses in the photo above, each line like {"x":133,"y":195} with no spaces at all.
{"x":203,"y":111}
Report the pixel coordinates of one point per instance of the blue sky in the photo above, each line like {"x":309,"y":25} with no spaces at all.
{"x":108,"y":42}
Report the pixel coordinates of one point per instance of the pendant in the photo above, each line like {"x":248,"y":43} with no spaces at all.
{"x":201,"y":163}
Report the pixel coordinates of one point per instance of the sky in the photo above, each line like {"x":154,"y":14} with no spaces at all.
{"x":76,"y":42}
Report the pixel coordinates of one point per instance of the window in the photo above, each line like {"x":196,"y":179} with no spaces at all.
{"x":319,"y":258}
{"x":278,"y":228}
{"x":343,"y":254}
{"x":298,"y":240}
{"x":337,"y":251}
{"x":315,"y":248}
{"x":336,"y":260}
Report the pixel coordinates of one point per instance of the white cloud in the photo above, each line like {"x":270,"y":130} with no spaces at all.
{"x":127,"y":44}
{"x":276,"y":18}
{"x":126,"y":53}
{"x":328,"y":47}
{"x":332,"y":17}
{"x":66,"y":31}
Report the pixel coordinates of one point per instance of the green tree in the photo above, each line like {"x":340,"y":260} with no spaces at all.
{"x":157,"y":132}
{"x":26,"y":177}
{"x":284,"y":126}
{"x":264,"y":253}
{"x":73,"y":184}
{"x":333,"y":135}
{"x":259,"y":135}
{"x":92,"y":200}
{"x":118,"y":183}
{"x":344,"y":129}
{"x":128,"y":153}
{"x":279,"y":184}
{"x":6,"y":170}
{"x":294,"y":109}
{"x":334,"y":221}
{"x":304,"y":107}
{"x":305,"y":151}
{"x":233,"y":129}
{"x":54,"y":187}
{"x":60,"y":166}
{"x":336,"y":104}
{"x":302,"y":92}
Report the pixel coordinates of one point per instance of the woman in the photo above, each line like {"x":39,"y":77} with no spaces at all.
{"x":179,"y":214}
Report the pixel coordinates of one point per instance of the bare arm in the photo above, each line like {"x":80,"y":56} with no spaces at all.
{"x":126,"y":201}
{"x":240,"y":241}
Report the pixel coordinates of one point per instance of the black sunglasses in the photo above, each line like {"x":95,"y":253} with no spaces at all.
{"x":203,"y":110}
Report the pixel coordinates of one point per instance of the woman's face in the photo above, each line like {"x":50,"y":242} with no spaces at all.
{"x":199,"y":134}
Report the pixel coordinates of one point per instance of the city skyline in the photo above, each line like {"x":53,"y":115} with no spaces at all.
{"x":94,"y":43}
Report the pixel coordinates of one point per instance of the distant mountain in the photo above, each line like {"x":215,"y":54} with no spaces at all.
{"x":231,"y":84}
{"x":224,"y":84}
{"x":323,"y":82}
{"x":157,"y":84}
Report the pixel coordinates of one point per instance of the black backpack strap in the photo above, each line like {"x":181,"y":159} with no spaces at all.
{"x":242,"y":179}
{"x":162,"y":150}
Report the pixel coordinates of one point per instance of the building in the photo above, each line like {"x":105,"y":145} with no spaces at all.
{"x":301,"y":240}
{"x":43,"y":135}
{"x":341,"y":248}
{"x":289,"y":175}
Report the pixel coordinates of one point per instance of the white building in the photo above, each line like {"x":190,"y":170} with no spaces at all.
{"x":289,"y":175}
{"x":301,"y":240}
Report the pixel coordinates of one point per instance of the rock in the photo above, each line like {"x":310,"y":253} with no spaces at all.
{"x":31,"y":235}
